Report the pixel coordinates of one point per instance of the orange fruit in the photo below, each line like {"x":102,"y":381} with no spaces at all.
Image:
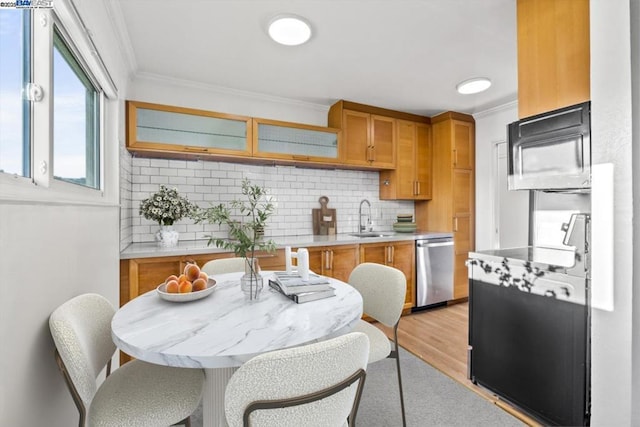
{"x":185,"y":287}
{"x":192,"y":271}
{"x":172,"y":287}
{"x":199,"y":285}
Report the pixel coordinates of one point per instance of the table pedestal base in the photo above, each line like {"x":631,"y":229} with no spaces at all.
{"x":213,"y":396}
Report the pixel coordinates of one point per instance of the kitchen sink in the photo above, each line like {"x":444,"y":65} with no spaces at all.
{"x":371,"y":234}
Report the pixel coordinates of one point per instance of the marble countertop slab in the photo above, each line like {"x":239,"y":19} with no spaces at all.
{"x":223,"y":329}
{"x":194,"y":247}
{"x":547,"y":259}
{"x":535,"y":270}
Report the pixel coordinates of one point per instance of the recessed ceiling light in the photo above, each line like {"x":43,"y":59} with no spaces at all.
{"x":289,"y":30}
{"x":474,"y":85}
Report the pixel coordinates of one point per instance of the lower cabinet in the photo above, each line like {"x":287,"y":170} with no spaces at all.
{"x":334,"y":261}
{"x":400,"y":255}
{"x":140,"y":275}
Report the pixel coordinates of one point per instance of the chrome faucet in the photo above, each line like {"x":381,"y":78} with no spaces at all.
{"x":366,"y":226}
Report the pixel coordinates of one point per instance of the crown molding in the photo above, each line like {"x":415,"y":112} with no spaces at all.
{"x":496,"y":109}
{"x":116,"y":18}
{"x":160,"y":78}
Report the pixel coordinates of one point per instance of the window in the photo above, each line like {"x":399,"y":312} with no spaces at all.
{"x":55,"y":94}
{"x":15,"y":73}
{"x":76,"y":112}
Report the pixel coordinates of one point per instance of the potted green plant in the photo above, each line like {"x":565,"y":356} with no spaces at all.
{"x":165,"y":207}
{"x":245,"y":220}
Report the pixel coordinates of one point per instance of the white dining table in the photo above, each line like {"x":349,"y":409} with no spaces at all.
{"x":223,"y":330}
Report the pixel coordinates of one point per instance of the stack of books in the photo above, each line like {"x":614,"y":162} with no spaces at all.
{"x":293,"y":287}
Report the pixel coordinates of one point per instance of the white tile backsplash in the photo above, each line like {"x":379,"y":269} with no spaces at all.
{"x":295,"y":192}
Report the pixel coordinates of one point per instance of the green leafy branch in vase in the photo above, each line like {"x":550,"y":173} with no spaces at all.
{"x":245,"y":220}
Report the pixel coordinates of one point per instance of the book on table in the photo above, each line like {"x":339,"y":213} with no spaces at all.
{"x":292,"y":283}
{"x":302,"y":297}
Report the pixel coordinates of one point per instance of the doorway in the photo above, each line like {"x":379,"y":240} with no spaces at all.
{"x":511,"y":208}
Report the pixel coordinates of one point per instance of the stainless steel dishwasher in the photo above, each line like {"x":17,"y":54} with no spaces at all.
{"x":434,"y":271}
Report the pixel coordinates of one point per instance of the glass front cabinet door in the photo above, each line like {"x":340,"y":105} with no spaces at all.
{"x":293,"y":141}
{"x":167,"y":131}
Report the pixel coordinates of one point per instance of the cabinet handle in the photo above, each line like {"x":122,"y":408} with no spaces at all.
{"x":331,"y":253}
{"x":455,"y":157}
{"x":455,"y":224}
{"x":418,"y":193}
{"x":415,"y":188}
{"x":327,"y":261}
{"x":389,"y":255}
{"x":295,"y":157}
{"x":187,"y":148}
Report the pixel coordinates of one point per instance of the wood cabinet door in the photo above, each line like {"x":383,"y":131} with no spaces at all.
{"x":553,"y":55}
{"x":316,"y":257}
{"x":405,"y":173}
{"x":462,"y":244}
{"x":356,"y":131}
{"x":343,"y":260}
{"x":374,"y":252}
{"x":462,"y":191}
{"x":423,"y":161}
{"x":383,"y":151}
{"x":403,"y":256}
{"x":334,"y":261}
{"x":463,"y":156}
{"x":400,"y":255}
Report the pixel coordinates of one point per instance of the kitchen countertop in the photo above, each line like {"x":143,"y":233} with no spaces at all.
{"x":193,"y":247}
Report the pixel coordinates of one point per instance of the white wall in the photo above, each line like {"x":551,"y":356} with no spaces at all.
{"x":635,"y":81}
{"x":612,"y":334}
{"x":491,"y":127}
{"x":50,"y":252}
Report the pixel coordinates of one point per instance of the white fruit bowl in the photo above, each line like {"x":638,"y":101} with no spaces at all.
{"x":191,"y":296}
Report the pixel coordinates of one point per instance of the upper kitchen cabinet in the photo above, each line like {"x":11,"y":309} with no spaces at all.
{"x":553,"y":55}
{"x":296,"y":142}
{"x":176,"y":132}
{"x":411,"y":180}
{"x":368,"y":135}
{"x":452,"y":207}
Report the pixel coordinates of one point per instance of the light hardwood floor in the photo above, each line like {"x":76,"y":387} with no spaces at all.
{"x":439,"y":336}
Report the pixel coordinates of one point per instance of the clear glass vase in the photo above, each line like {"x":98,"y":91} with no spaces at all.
{"x":251,"y":282}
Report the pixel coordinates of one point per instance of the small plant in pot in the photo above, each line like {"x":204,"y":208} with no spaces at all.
{"x":246,"y":220}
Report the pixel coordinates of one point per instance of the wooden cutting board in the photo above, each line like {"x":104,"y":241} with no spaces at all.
{"x":324,"y":219}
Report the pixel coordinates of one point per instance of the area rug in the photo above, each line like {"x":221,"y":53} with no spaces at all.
{"x":431,"y":399}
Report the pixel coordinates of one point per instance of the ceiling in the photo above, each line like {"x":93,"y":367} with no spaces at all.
{"x":405,"y":55}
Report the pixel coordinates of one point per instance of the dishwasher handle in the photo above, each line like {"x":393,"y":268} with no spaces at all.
{"x":434,"y":243}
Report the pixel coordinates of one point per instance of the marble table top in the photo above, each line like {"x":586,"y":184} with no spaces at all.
{"x":223,"y":329}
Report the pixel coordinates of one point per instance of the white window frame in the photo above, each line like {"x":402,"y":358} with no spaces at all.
{"x":42,"y":186}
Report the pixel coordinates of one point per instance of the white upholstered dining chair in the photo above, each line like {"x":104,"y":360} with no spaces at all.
{"x":383,"y":290}
{"x":137,"y":393}
{"x":317,"y":385}
{"x":224,"y":265}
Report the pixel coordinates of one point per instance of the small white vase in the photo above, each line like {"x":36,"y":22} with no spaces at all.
{"x":167,"y":237}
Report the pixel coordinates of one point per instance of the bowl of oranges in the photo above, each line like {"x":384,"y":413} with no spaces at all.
{"x":192,"y":284}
